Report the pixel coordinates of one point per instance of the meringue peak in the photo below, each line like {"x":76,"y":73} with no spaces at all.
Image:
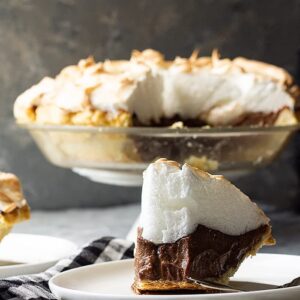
{"x":176,"y":199}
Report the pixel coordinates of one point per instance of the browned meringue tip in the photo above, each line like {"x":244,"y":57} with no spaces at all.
{"x":199,"y":171}
{"x":195,"y":54}
{"x":87,"y":62}
{"x":215,"y":55}
{"x":264,"y":69}
{"x":167,"y":161}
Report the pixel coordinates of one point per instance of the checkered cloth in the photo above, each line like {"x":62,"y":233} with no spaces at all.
{"x":36,"y":286}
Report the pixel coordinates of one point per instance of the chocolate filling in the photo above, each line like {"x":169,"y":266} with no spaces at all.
{"x":206,"y":253}
{"x":248,"y":119}
{"x":213,"y":147}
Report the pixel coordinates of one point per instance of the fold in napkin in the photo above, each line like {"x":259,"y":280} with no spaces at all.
{"x":36,"y":286}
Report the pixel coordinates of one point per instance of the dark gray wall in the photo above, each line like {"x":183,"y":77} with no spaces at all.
{"x":39,"y":37}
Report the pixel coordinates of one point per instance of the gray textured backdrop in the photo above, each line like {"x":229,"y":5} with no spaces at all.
{"x":39,"y":37}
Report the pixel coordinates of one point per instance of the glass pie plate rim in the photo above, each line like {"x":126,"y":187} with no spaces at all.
{"x":130,"y":173}
{"x":161,"y":130}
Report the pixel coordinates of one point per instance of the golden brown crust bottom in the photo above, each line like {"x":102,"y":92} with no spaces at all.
{"x":163,"y":286}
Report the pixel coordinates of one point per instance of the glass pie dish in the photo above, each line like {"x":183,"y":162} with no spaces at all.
{"x":118,"y":156}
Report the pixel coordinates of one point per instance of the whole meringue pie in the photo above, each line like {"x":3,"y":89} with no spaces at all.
{"x":149,"y":91}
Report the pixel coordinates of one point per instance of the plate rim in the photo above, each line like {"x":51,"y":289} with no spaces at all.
{"x":36,"y":264}
{"x":53,"y":286}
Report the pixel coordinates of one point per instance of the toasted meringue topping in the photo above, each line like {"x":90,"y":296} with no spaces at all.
{"x":218,"y":91}
{"x":175,"y":200}
{"x":11,"y":196}
{"x":149,"y":56}
{"x":265,"y":70}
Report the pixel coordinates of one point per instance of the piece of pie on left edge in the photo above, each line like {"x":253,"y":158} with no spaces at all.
{"x":13,"y":206}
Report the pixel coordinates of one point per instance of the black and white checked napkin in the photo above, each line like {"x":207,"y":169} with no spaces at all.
{"x":35,"y":286}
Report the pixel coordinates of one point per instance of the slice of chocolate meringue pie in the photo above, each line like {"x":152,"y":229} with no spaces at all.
{"x":13,"y":206}
{"x":193,"y":225}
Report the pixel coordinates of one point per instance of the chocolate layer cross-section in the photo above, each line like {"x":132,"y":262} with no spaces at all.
{"x":193,"y":226}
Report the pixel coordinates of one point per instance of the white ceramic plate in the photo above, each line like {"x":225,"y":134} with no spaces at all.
{"x":22,"y":254}
{"x":113,"y":280}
